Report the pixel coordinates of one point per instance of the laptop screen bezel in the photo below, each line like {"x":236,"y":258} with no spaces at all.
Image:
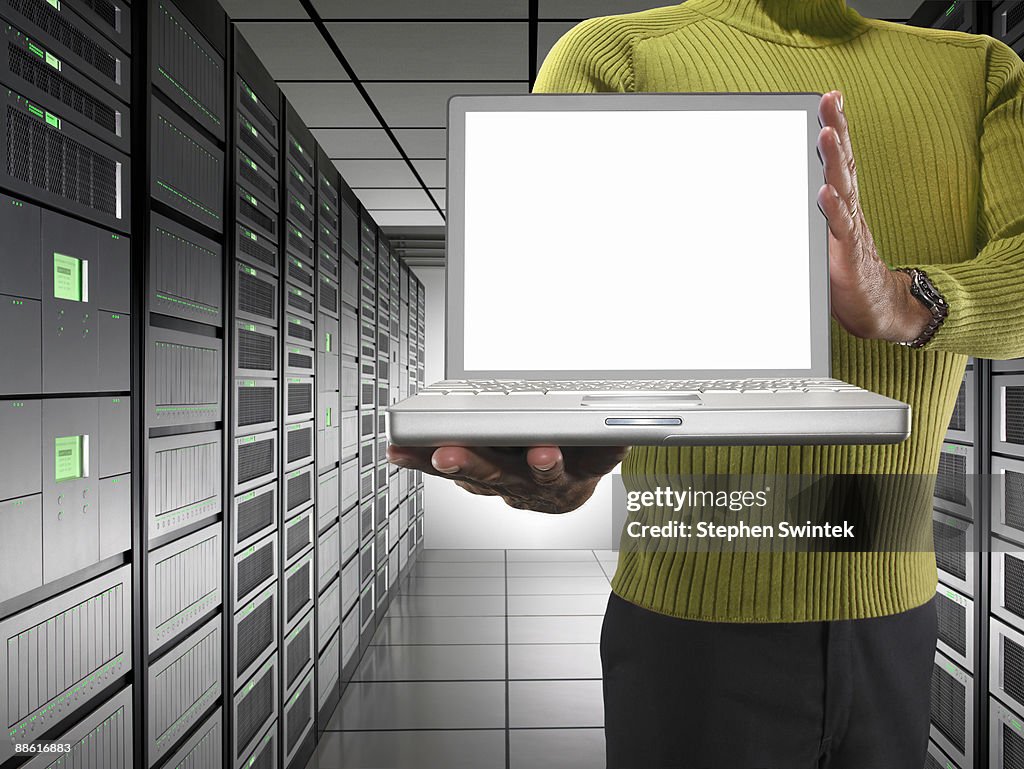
{"x":460,"y":106}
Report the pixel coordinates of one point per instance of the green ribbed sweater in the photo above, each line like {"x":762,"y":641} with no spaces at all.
{"x":937,"y":125}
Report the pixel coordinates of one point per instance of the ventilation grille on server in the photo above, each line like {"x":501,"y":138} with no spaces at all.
{"x":1013,"y":499}
{"x":1013,"y":668}
{"x":959,"y":418}
{"x":254,"y":710}
{"x":951,"y":549}
{"x":254,"y":460}
{"x":1013,"y":585}
{"x":186,"y":685}
{"x":183,"y":579}
{"x":255,"y":405}
{"x":255,"y":568}
{"x":298,"y":653}
{"x":255,"y":514}
{"x":298,"y":716}
{"x":300,"y":446}
{"x":48,"y":159}
{"x":296,"y":153}
{"x":298,"y":536}
{"x":298,"y":331}
{"x":298,"y":242}
{"x":329,"y":217}
{"x":254,"y":144}
{"x":299,"y":489}
{"x":49,"y":19}
{"x":265,"y":119}
{"x":255,"y":635}
{"x":952,"y":623}
{"x":189,"y":171}
{"x":248,"y":208}
{"x":250,"y":173}
{"x":297,"y":359}
{"x":300,"y":214}
{"x":328,"y":296}
{"x":931,"y":763}
{"x":299,"y":301}
{"x":183,"y":476}
{"x":300,"y":398}
{"x":250,"y":246}
{"x":298,"y":271}
{"x":298,"y":590}
{"x":948,"y":706}
{"x":255,"y":296}
{"x":1014,"y":415}
{"x":32,"y":70}
{"x":186,"y":273}
{"x":1013,"y":749}
{"x":951,"y":480}
{"x":255,"y":350}
{"x":196,"y":76}
{"x":185,"y":374}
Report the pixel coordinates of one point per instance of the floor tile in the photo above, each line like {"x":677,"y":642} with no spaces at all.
{"x":550,"y":555}
{"x":554,"y":630}
{"x":455,"y":586}
{"x":553,"y":661}
{"x":609,"y":567}
{"x":558,"y":586}
{"x":543,"y":704}
{"x":422,"y":705}
{"x":459,"y":569}
{"x":433,"y":663}
{"x":523,"y":605}
{"x":440,"y":630}
{"x":480,"y":749}
{"x":589,"y":568}
{"x":556,"y":748}
{"x":461,"y":555}
{"x":447,"y":606}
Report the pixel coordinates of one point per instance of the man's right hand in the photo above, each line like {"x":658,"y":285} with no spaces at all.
{"x":547,"y":479}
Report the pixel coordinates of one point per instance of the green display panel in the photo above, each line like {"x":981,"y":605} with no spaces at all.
{"x":67,"y":277}
{"x":69,"y":458}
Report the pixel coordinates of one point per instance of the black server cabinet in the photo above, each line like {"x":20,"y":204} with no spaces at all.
{"x":258,"y":383}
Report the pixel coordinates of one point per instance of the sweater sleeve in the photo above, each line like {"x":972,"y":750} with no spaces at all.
{"x":595,"y":56}
{"x":986,"y":293}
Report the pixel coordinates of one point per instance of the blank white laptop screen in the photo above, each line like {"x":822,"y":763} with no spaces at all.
{"x":633,"y":240}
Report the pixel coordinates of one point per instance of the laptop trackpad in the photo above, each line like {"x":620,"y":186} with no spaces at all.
{"x":653,"y":401}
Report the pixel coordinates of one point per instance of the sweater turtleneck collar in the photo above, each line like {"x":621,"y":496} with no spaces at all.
{"x":794,"y":22}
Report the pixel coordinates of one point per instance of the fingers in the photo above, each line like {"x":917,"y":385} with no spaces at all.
{"x":836,"y":150}
{"x":546,"y":464}
{"x":840,"y":220}
{"x":472,"y":488}
{"x":467,"y":464}
{"x":413,"y":458}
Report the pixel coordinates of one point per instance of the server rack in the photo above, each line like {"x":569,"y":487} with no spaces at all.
{"x":258,"y":383}
{"x":68,"y":462}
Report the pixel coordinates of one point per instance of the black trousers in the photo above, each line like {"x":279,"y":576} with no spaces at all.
{"x":682,"y":694}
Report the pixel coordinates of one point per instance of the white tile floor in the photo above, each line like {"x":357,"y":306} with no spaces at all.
{"x":487,"y":658}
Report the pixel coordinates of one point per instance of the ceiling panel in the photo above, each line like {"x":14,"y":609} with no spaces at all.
{"x":422,"y":9}
{"x":434,"y":50}
{"x":431,"y":171}
{"x":405,"y":219}
{"x":423,"y":142}
{"x":393,"y":198}
{"x":585,"y":9}
{"x":356,"y":143}
{"x":292,"y":50}
{"x":548,"y":33}
{"x":376,"y":173}
{"x":424,"y":105}
{"x":329,"y":105}
{"x":264,"y":9}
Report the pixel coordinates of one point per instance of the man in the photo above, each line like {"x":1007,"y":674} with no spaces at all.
{"x":735,"y":660}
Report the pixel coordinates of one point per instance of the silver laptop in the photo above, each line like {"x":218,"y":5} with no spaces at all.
{"x":629,"y":269}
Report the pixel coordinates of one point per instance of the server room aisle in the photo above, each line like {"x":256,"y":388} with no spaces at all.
{"x":484,"y":654}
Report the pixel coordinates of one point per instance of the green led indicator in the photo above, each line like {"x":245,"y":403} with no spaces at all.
{"x":252,"y":165}
{"x":54,"y":3}
{"x":1015,"y":723}
{"x":53,"y":61}
{"x":37,"y":50}
{"x":251,"y":199}
{"x":252,"y":129}
{"x":115,"y":317}
{"x":328,"y":416}
{"x":36,"y":111}
{"x":248,"y":326}
{"x":249,"y":235}
{"x":950,"y":9}
{"x":250,"y":439}
{"x":327,"y":341}
{"x":249,"y":270}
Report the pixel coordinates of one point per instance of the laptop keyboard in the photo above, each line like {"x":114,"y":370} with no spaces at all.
{"x":542,"y":387}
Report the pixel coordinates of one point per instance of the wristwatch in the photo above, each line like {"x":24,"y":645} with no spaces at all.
{"x":922,"y":289}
